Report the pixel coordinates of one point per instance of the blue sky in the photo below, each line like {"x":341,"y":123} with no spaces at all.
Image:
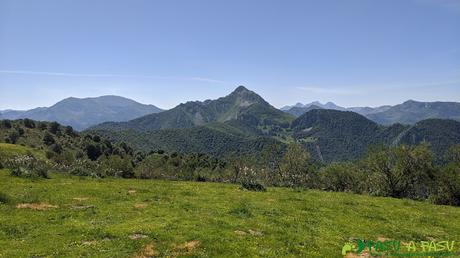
{"x":354,"y":52}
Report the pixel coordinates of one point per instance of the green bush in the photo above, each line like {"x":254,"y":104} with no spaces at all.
{"x":253,"y":186}
{"x":341,"y":177}
{"x":401,"y":171}
{"x":84,"y":167}
{"x":28,"y":167}
{"x":447,"y":189}
{"x":117,"y":166}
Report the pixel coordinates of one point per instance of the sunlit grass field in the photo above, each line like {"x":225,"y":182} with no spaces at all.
{"x":83,"y":217}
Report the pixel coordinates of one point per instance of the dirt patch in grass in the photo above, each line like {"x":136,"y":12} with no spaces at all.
{"x":140,"y":205}
{"x":36,"y":206}
{"x":92,"y":242}
{"x":137,"y":236}
{"x":240,"y":232}
{"x":147,"y":252}
{"x":131,"y":191}
{"x":186,"y":248}
{"x":255,"y":232}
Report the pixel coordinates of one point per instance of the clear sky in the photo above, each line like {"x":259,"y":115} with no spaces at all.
{"x":354,"y":52}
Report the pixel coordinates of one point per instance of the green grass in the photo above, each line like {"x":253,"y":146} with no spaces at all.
{"x":10,"y":150}
{"x":226,"y":221}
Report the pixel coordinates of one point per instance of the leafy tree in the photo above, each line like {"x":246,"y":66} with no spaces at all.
{"x":447,"y":190}
{"x":69,"y":131}
{"x":117,"y":166}
{"x":93,"y":151}
{"x":48,"y":139}
{"x":295,"y":169}
{"x":28,"y":123}
{"x":42,"y":125}
{"x":453,"y":154}
{"x":12,"y":137}
{"x":54,"y":127}
{"x":342,"y":177}
{"x":402,"y":171}
{"x":6,"y":124}
{"x":56,"y":148}
{"x":20,"y":131}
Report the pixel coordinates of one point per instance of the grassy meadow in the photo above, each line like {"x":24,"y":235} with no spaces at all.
{"x":67,"y":216}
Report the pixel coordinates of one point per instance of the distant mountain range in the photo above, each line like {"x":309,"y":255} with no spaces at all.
{"x":409,"y":112}
{"x":242,"y":105}
{"x":85,"y":112}
{"x":245,"y":124}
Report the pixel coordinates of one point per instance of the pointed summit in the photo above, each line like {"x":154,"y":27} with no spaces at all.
{"x":246,"y":97}
{"x":241,"y":88}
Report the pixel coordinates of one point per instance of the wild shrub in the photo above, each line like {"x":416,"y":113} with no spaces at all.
{"x":84,"y":167}
{"x":295,"y":169}
{"x":117,"y":166}
{"x":54,"y":128}
{"x":48,"y":139}
{"x":249,"y":180}
{"x":401,"y":171}
{"x":6,"y":124}
{"x":12,"y":137}
{"x":447,"y":187}
{"x":28,"y":166}
{"x":28,"y":123}
{"x":253,"y":186}
{"x":341,"y":177}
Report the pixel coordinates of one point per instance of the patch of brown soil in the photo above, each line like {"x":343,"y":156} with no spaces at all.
{"x":148,"y":251}
{"x":240,"y":232}
{"x":137,"y":236}
{"x":36,"y":206}
{"x":92,"y":242}
{"x":255,"y":233}
{"x":186,"y":248}
{"x":140,"y":205}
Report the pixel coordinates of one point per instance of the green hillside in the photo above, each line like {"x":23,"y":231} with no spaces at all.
{"x":216,"y":140}
{"x":333,"y":135}
{"x":74,"y":217}
{"x":439,"y":133}
{"x":242,"y":104}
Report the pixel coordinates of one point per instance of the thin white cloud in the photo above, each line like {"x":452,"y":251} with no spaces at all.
{"x":108,"y":75}
{"x":75,"y":74}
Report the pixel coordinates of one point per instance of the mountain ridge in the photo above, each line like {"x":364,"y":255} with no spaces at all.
{"x":241,"y":104}
{"x":81,"y":113}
